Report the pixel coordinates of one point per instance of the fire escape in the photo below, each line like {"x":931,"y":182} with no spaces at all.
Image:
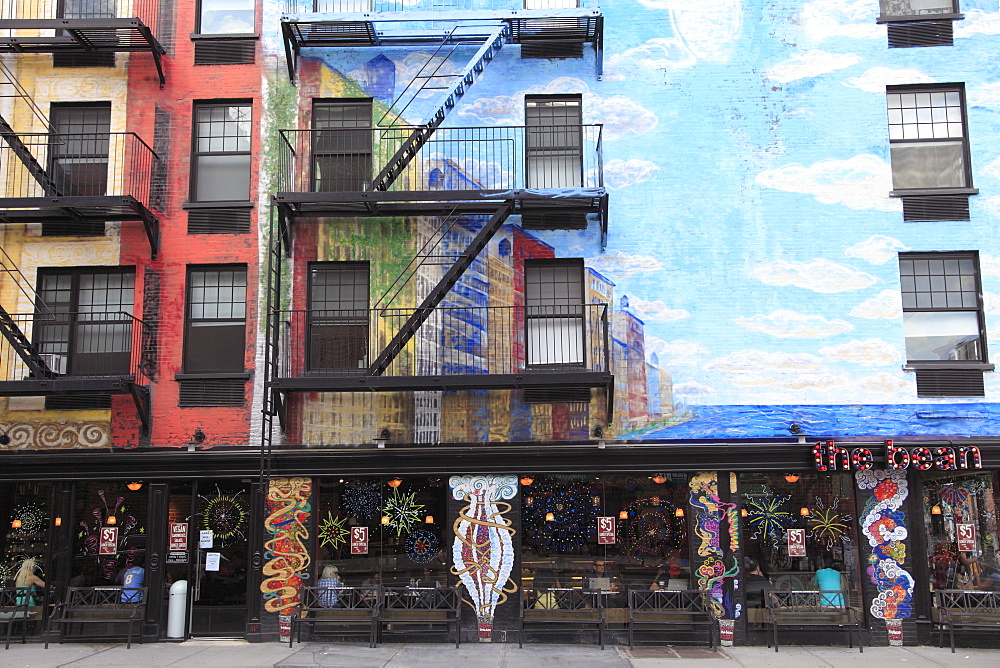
{"x":417,"y":171}
{"x":82,"y":27}
{"x":76,"y":182}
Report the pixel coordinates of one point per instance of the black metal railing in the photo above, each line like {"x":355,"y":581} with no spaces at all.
{"x":90,"y":10}
{"x":46,"y":165}
{"x":481,"y":158}
{"x":453,"y":341}
{"x":79,"y":345}
{"x":354,"y":6}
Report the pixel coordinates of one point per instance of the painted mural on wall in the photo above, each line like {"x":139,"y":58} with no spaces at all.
{"x":883,"y":523}
{"x":286,"y":558}
{"x":716,"y":564}
{"x":483,"y":551}
{"x":749,"y":96}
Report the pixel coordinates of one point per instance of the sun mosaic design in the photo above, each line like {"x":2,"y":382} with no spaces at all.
{"x":883,"y":524}
{"x":333,"y":531}
{"x":402,"y":510}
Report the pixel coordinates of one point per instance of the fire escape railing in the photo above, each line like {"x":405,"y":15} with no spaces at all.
{"x":354,"y":6}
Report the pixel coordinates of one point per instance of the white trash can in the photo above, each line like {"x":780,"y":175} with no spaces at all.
{"x":176,"y":609}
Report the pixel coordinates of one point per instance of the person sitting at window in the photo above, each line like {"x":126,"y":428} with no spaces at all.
{"x":328,"y":582}
{"x":755,"y":582}
{"x":829,"y":579}
{"x":27,"y":579}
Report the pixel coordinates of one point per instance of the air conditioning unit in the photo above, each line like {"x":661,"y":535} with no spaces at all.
{"x":56,"y":363}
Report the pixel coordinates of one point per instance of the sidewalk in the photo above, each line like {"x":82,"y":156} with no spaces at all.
{"x":207,"y":654}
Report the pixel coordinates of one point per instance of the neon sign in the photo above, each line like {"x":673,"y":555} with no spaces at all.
{"x":828,"y":456}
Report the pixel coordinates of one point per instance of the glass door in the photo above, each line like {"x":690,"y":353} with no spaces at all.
{"x":218,"y":536}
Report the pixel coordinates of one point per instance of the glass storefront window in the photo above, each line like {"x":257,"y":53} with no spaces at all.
{"x":960,"y":519}
{"x":406,"y":521}
{"x":107,"y":505}
{"x":799,"y":533}
{"x":560,"y":545}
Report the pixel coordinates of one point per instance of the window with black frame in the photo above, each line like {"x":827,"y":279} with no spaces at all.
{"x":341,"y":145}
{"x":221,"y":160}
{"x":215,"y":328}
{"x":225,"y":17}
{"x":553,"y":141}
{"x":943,"y":322}
{"x":78,"y":159}
{"x":338,"y":315}
{"x":553,"y":297}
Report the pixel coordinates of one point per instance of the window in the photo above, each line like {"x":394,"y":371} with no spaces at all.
{"x":338,"y":315}
{"x":929,"y":149}
{"x":553,"y":141}
{"x":78,"y":154}
{"x":942,"y":318}
{"x":225,"y":17}
{"x":83,"y":324}
{"x":215,"y":327}
{"x":221,"y":161}
{"x":553,"y":295}
{"x":919,"y":22}
{"x":342,"y":145}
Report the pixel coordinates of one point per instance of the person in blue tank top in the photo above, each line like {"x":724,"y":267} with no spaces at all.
{"x":28,"y":581}
{"x":132,"y":580}
{"x":829,"y":579}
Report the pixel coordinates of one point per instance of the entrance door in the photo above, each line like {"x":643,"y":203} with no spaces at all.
{"x":218,"y":588}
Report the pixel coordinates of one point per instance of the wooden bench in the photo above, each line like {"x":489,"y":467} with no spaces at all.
{"x":341,"y":606}
{"x":965,"y":610}
{"x":14,"y":609}
{"x":552,"y":610}
{"x":404,"y":607}
{"x":813,"y":609}
{"x":667,"y":610}
{"x":100,"y":605}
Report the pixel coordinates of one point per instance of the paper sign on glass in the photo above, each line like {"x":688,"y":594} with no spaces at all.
{"x":796,"y":542}
{"x":212,"y":561}
{"x":178,"y":536}
{"x":205,"y":538}
{"x":359,"y":540}
{"x":605,"y":530}
{"x":966,"y":537}
{"x":109,"y":541}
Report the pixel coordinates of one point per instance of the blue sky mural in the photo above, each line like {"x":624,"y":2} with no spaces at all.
{"x":745,"y":148}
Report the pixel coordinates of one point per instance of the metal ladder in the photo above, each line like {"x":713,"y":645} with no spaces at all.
{"x":11,"y":88}
{"x":423,"y":133}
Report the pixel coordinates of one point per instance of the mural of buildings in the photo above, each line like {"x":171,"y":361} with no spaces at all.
{"x":258,"y":272}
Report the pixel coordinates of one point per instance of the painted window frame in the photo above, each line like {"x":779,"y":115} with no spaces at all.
{"x":196,"y":361}
{"x":555,"y":325}
{"x":326,"y":327}
{"x":197,"y":154}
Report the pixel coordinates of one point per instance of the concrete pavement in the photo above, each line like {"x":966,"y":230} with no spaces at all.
{"x":233,"y":653}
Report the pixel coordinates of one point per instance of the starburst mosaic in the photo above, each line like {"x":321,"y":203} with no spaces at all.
{"x":768,"y":517}
{"x":402,"y":510}
{"x":225,"y":515}
{"x":361,"y":500}
{"x":333,"y":531}
{"x":828,"y":525}
{"x":421,"y":546}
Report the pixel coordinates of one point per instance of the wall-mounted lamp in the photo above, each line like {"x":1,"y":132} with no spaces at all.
{"x":659,"y":478}
{"x":795,"y":428}
{"x":550,"y":517}
{"x":935,"y":509}
{"x":112,"y":519}
{"x":429,"y":519}
{"x":16,"y":524}
{"x":527,"y":480}
{"x":804,"y":512}
{"x":623,"y":515}
{"x":792,"y":477}
{"x":382,"y":437}
{"x":679,"y":512}
{"x":135,"y":486}
{"x":385,"y":520}
{"x":4,"y":439}
{"x":198,"y":436}
{"x":395,"y":482}
{"x":58,"y":522}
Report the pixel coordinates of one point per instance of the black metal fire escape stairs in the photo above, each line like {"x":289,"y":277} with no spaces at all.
{"x":68,"y":35}
{"x":42,"y":379}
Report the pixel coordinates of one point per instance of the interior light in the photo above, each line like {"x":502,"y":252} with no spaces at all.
{"x":527,"y":480}
{"x":743,"y":512}
{"x":135,"y":486}
{"x":679,"y":512}
{"x":112,"y":519}
{"x":792,"y":477}
{"x":429,"y":519}
{"x":58,"y":522}
{"x":936,"y":510}
{"x":623,"y":515}
{"x":385,"y":519}
{"x":804,"y":512}
{"x":16,"y":524}
{"x":395,"y":482}
{"x":550,"y":517}
{"x":659,"y":478}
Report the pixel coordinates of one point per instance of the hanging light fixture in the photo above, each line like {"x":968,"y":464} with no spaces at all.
{"x":623,"y":515}
{"x":395,"y":482}
{"x":936,"y":509}
{"x":527,"y":480}
{"x":429,"y":519}
{"x":792,"y":477}
{"x":16,"y":524}
{"x":135,"y":486}
{"x":743,"y":512}
{"x":550,"y":517}
{"x":804,"y":512}
{"x":679,"y":512}
{"x":385,"y":520}
{"x":659,"y":478}
{"x":112,"y":519}
{"x":58,"y":522}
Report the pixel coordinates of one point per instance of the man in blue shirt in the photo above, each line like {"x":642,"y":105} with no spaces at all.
{"x":132,"y":580}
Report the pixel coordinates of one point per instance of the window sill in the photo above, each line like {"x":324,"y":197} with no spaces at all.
{"x":917,"y":192}
{"x":967,"y":366}
{"x":246,"y":375}
{"x":920,"y":17}
{"x":236,"y":204}
{"x":232,"y":35}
